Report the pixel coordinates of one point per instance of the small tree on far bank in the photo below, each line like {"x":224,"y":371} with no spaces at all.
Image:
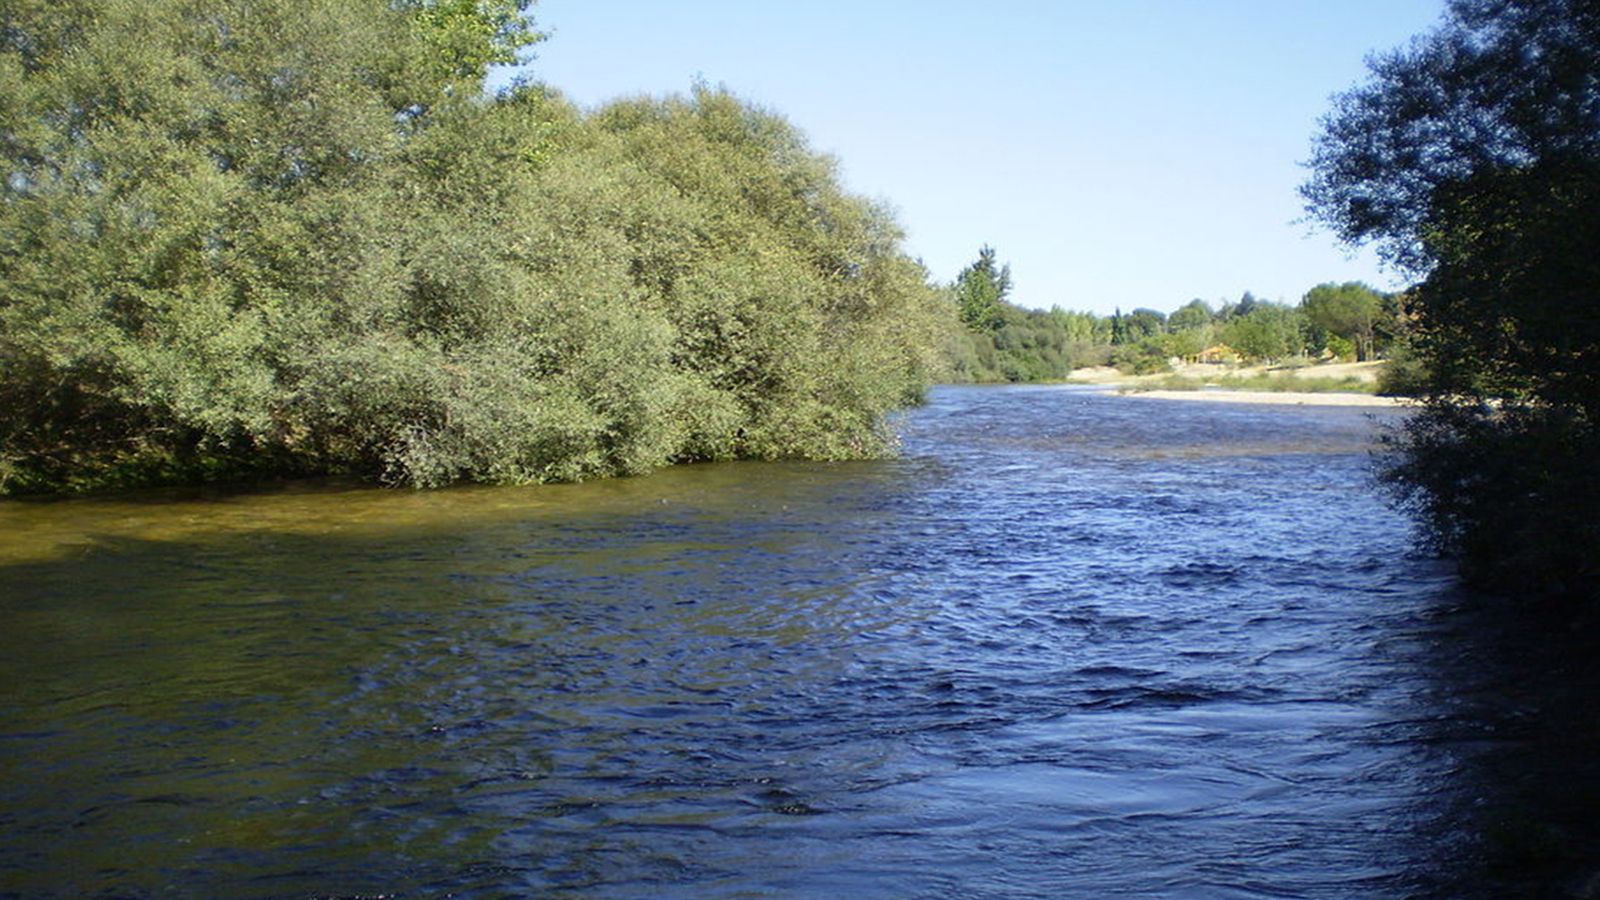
{"x":1352,"y":310}
{"x":981,"y":288}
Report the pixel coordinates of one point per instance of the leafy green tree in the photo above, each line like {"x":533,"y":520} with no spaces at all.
{"x":173,"y":184}
{"x":1143,"y":323}
{"x":462,"y":38}
{"x":1146,"y":356}
{"x":1270,"y":331}
{"x":1083,"y":328}
{"x":981,"y":289}
{"x":1472,"y":157}
{"x":1119,"y":328}
{"x":1188,"y":343}
{"x":1029,"y":346}
{"x":1352,"y":311}
{"x":1194,"y":314}
{"x":1246,"y":304}
{"x":295,"y":237}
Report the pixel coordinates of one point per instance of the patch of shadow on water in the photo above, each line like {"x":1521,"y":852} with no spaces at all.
{"x":1514,"y":708}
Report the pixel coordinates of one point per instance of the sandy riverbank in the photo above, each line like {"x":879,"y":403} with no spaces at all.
{"x":1217,"y":379}
{"x":1287,"y":398}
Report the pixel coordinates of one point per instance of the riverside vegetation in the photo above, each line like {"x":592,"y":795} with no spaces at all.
{"x":1005,"y":343}
{"x":1472,"y":158}
{"x":247,"y":237}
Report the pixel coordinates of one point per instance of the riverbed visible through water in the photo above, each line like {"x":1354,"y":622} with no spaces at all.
{"x":1067,"y":644}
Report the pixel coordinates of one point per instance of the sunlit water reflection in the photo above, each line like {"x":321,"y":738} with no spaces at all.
{"x":1069,"y":644}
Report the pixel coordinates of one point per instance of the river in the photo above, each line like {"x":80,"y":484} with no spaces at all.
{"x":1067,"y":644}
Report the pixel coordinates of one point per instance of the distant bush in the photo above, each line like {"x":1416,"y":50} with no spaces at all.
{"x":1146,"y":357}
{"x":1027,"y":346}
{"x":1405,"y":374}
{"x":1275,"y":383}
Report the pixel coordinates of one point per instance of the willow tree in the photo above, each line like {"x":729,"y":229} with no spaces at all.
{"x":795,"y":316}
{"x":264,"y":236}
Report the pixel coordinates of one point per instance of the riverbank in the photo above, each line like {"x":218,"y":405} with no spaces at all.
{"x":1283,"y":398}
{"x":1351,"y":384}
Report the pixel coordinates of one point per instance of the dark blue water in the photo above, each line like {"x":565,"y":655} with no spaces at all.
{"x":1069,"y":644}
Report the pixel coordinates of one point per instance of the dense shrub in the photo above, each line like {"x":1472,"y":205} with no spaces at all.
{"x":260,"y":237}
{"x":1495,"y":485}
{"x":1026,"y":346}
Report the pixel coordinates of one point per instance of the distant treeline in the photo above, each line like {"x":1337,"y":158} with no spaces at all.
{"x":296,"y":237}
{"x":1006,"y":343}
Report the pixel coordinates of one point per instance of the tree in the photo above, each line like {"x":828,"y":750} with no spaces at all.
{"x":1472,"y":158}
{"x":1194,"y":314}
{"x":1187,"y":344}
{"x":1351,"y":310}
{"x":1119,"y":327}
{"x":1246,"y":305}
{"x":1143,"y":323}
{"x":296,"y":237}
{"x":1082,"y":327}
{"x":981,"y":288}
{"x":1269,"y":332}
{"x":462,"y":38}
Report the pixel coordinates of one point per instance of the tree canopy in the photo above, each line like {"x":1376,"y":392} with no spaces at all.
{"x":1472,"y":158}
{"x":981,"y":291}
{"x":1195,"y":314}
{"x":1351,"y":310}
{"x":269,"y":237}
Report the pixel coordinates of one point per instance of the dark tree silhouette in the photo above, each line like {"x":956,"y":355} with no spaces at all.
{"x":1472,"y":158}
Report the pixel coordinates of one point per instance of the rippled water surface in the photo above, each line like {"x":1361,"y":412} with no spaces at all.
{"x":1069,"y":644}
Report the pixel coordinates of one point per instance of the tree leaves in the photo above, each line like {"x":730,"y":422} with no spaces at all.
{"x":260,"y":236}
{"x":1473,"y":158}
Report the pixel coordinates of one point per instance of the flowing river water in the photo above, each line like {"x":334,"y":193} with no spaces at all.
{"x":1068,"y":644}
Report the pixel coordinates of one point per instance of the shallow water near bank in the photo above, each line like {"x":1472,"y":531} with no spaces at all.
{"x":1069,"y":643}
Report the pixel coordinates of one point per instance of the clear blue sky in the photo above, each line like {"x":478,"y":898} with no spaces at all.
{"x":1117,"y":153}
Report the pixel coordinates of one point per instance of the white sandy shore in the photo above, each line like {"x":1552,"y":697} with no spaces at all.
{"x":1131,"y":385}
{"x":1287,"y":398}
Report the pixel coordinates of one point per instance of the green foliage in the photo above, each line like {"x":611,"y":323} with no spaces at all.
{"x":1192,"y":315}
{"x":1352,"y":311}
{"x":1472,"y":157}
{"x":1269,"y":331}
{"x":1187,"y":343}
{"x":1246,"y":305}
{"x":294,"y":238}
{"x":462,"y":38}
{"x":1342,"y":349}
{"x":1496,"y":485}
{"x":1406,"y":375}
{"x":1084,"y":329}
{"x":1028,"y":346}
{"x":1002,"y":342}
{"x":1137,"y":325}
{"x":1145,"y":357}
{"x":981,"y":291}
{"x":1276,"y":383}
{"x":1143,"y":323}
